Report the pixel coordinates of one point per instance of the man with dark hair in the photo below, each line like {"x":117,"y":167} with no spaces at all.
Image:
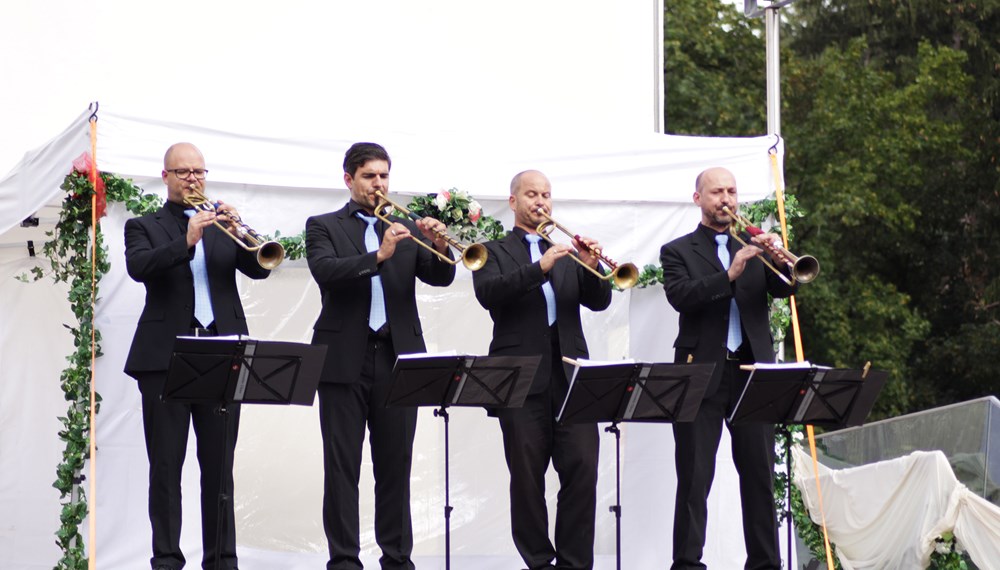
{"x":533,"y":292}
{"x":722,"y":297}
{"x":188,"y":267}
{"x":366,"y":271}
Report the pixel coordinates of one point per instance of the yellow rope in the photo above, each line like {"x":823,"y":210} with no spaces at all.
{"x":799,"y":354}
{"x":92,"y":495}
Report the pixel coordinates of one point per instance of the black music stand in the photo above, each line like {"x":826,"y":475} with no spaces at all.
{"x":632,"y":392}
{"x":803,"y":394}
{"x":223,"y":370}
{"x":459,"y":380}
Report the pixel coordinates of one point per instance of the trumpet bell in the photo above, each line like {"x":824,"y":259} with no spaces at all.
{"x":625,"y":276}
{"x":270,"y":254}
{"x":805,"y":269}
{"x":474,"y":256}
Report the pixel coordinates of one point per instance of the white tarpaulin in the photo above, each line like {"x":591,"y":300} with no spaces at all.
{"x":633,"y":195}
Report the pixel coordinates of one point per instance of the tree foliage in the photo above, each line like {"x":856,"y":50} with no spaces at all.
{"x":713,"y":70}
{"x":892,"y":126}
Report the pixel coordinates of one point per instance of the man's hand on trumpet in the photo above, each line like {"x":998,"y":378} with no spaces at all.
{"x":585,"y":248}
{"x":197,"y":224}
{"x":550,"y":256}
{"x":228,"y":215}
{"x":739,"y":261}
{"x":434,"y":230}
{"x":392,"y":236}
{"x":771,"y":243}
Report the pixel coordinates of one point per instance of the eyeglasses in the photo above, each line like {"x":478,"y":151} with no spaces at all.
{"x":199,"y":173}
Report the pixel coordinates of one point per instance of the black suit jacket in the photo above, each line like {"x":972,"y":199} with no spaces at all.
{"x":509,"y":286}
{"x":343,"y":269}
{"x":157,"y":255}
{"x":699,"y":289}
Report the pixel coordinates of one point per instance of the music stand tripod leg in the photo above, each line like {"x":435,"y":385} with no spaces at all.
{"x":617,"y":507}
{"x":442,"y":413}
{"x":787,"y":432}
{"x":220,"y":520}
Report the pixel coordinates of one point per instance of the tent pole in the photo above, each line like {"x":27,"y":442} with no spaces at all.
{"x":772,"y":24}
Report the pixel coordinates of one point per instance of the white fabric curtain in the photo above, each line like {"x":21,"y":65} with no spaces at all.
{"x":888,"y":514}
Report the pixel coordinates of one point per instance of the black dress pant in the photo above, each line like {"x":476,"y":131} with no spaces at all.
{"x":345,"y":410}
{"x":753,"y":455}
{"x":166,"y":426}
{"x":531,"y":439}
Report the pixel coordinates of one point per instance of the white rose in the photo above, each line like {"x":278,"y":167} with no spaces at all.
{"x":441,"y":200}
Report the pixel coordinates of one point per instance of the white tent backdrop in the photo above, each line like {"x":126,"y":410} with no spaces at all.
{"x":414,"y":65}
{"x":633,"y":194}
{"x":462,"y":94}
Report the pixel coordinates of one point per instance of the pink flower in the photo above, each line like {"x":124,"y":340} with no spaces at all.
{"x":446,"y":194}
{"x":475,"y":211}
{"x":82,"y":163}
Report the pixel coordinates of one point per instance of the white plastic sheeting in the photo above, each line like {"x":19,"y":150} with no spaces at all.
{"x":632,"y":197}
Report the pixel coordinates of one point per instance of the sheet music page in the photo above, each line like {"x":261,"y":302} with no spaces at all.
{"x":228,"y":337}
{"x":784,"y":365}
{"x":584,"y":362}
{"x":419,"y":355}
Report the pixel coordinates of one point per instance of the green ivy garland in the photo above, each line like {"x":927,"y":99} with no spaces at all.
{"x":68,"y":252}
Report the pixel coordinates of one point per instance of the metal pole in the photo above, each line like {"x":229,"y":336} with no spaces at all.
{"x":772,"y":23}
{"x":659,"y":89}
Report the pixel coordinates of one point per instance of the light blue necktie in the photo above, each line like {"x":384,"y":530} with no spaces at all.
{"x":550,"y":294}
{"x":202,"y":296}
{"x":376,"y":314}
{"x":735,"y":336}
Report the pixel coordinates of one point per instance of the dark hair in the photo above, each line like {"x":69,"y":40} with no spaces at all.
{"x":362,"y":152}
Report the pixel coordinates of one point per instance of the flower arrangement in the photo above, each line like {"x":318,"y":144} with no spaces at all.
{"x":948,"y":554}
{"x":460,"y":212}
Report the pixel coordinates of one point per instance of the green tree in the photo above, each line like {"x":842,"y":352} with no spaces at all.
{"x":890,"y":117}
{"x":713,"y":70}
{"x":867,"y":148}
{"x":938,"y":103}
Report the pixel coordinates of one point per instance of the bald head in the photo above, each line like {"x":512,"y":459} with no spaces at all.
{"x":710,"y":175}
{"x":180,"y":149}
{"x":530,"y":191}
{"x":186,"y":159}
{"x":715,"y":189}
{"x":528,"y":177}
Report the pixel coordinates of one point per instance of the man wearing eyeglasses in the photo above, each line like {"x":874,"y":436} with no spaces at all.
{"x":188,"y":266}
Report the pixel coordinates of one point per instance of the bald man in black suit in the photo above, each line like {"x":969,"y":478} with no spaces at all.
{"x":724,"y":318}
{"x":535,"y":306}
{"x":170,"y":252}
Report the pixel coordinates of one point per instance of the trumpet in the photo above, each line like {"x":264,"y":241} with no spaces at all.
{"x":624,"y":276}
{"x":270,"y":254}
{"x":473,"y":256}
{"x":804,"y":268}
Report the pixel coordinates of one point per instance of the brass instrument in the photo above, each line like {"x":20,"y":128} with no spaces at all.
{"x":624,"y":276}
{"x":473,"y":256}
{"x":270,"y":254}
{"x":804,"y":268}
